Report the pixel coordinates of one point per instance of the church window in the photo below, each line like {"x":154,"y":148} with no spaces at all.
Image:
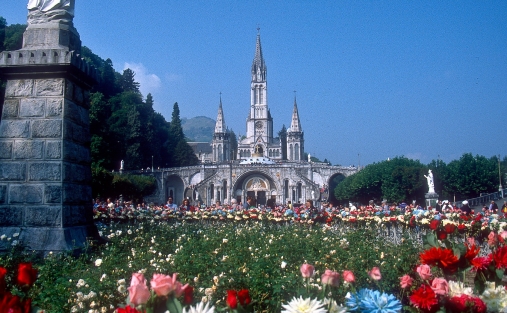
{"x":291,"y":155}
{"x":296,"y":152}
{"x":219,"y":153}
{"x":261,"y":95}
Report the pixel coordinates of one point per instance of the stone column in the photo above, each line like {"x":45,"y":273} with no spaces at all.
{"x":45,"y":175}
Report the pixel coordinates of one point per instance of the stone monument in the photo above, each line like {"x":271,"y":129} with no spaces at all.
{"x":45,"y":175}
{"x":431,"y":196}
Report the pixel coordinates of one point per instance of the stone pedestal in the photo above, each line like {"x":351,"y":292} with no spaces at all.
{"x":431,"y":199}
{"x":45,"y":175}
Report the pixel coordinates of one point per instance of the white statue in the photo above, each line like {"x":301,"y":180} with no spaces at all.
{"x":313,"y":194}
{"x":44,"y":11}
{"x":431,"y":184}
{"x":309,"y":157}
{"x":121,"y":165}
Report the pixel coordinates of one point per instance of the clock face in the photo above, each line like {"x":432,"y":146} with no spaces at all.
{"x":258,"y":124}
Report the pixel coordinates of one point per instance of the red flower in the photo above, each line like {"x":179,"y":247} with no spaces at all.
{"x":232,"y":301}
{"x":434,"y":224}
{"x":472,"y":251}
{"x":500,"y":257}
{"x":449,"y":228}
{"x":188,"y":295}
{"x":127,"y":309}
{"x":465,"y":303}
{"x":26,"y":274}
{"x":441,"y":235}
{"x":443,"y":258}
{"x":13,"y":304}
{"x":244,"y":297}
{"x":3,"y":271}
{"x":424,"y":298}
{"x":480,"y":263}
{"x":462,"y":228}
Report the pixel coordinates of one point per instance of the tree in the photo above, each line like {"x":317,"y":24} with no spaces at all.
{"x":234,"y":144}
{"x":14,"y":37}
{"x":128,"y":82}
{"x":470,"y":176}
{"x":396,"y":180}
{"x":3,"y":24}
{"x":282,"y":134}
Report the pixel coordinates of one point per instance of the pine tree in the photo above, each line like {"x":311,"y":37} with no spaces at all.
{"x":128,"y":82}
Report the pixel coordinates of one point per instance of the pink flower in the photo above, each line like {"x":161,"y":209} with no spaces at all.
{"x":330,"y":278}
{"x":440,"y":286}
{"x":162,"y":284}
{"x":349,"y":277}
{"x":424,"y":271}
{"x":307,"y":270}
{"x":179,"y":289}
{"x":503,"y":234}
{"x":138,"y":291}
{"x":492,"y":239}
{"x":406,"y":281}
{"x":375,"y":273}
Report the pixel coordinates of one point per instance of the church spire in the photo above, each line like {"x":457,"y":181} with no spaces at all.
{"x":220,"y":124}
{"x":258,"y":65}
{"x":295,"y":125}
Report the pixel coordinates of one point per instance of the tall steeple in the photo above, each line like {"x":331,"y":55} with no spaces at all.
{"x":295,"y":125}
{"x":220,"y":124}
{"x":220,"y":143}
{"x":258,"y":66}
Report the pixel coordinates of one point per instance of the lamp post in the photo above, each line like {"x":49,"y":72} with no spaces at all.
{"x":152,"y":163}
{"x":500,"y":188}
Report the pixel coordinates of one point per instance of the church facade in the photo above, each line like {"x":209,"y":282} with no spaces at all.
{"x":277,"y":173}
{"x":259,"y":139}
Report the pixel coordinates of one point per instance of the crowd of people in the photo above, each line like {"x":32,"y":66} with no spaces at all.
{"x":306,"y":210}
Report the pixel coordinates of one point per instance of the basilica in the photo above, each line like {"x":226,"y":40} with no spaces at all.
{"x":259,"y":140}
{"x":265,"y":168}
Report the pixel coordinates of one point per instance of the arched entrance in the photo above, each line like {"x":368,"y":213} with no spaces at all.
{"x":174,"y":188}
{"x":257,"y":185}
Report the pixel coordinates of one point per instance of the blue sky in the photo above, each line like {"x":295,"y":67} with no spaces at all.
{"x":378,"y":79}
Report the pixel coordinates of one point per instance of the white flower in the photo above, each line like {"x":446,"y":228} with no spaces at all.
{"x":122,"y":288}
{"x":200,"y":308}
{"x":457,"y":289}
{"x":284,"y":264}
{"x":304,"y":306}
{"x":103,"y":277}
{"x":225,"y":240}
{"x":98,"y":262}
{"x":80,"y":283}
{"x":15,"y":235}
{"x":334,"y":307}
{"x":3,"y":237}
{"x":121,"y":281}
{"x":495,"y":298}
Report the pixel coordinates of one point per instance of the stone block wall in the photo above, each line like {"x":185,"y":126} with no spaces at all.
{"x":45,"y":174}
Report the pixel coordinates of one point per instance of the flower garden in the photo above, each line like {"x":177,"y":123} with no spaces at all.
{"x":259,"y":261}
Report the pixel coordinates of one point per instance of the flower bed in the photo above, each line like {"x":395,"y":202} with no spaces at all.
{"x":353,"y":267}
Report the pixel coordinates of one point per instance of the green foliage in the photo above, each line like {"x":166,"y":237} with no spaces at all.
{"x":223,"y":256}
{"x":13,"y":37}
{"x":134,"y":186}
{"x":396,"y":180}
{"x":234,"y":144}
{"x":128,"y":82}
{"x":469,"y":176}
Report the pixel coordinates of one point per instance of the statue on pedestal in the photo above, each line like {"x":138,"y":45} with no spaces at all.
{"x":44,"y":11}
{"x":431,"y":184}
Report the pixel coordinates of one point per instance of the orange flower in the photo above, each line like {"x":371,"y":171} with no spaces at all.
{"x":472,"y":251}
{"x":443,"y":258}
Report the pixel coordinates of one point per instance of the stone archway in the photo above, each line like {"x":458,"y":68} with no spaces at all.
{"x":174,"y":187}
{"x":259,"y":185}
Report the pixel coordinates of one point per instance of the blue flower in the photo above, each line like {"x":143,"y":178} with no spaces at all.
{"x":372,"y":301}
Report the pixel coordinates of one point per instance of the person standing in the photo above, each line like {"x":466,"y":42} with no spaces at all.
{"x":465,"y":208}
{"x":493,"y":207}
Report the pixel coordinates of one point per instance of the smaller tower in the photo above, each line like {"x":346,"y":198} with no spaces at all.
{"x":220,"y":143}
{"x":295,"y":137}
